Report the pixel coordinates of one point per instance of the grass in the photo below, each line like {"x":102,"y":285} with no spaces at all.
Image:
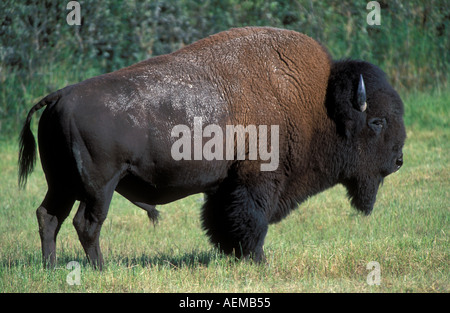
{"x":323,"y":246}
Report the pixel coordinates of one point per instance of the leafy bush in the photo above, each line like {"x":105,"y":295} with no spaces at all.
{"x":40,"y":52}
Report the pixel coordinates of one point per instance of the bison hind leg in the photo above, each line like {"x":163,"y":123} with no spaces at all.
{"x":234,"y":222}
{"x":50,"y":215}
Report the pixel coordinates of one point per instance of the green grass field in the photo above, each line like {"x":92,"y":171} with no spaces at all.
{"x":323,"y":246}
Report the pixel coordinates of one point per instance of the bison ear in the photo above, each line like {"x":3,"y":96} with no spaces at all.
{"x":361,"y":95}
{"x":346,"y":97}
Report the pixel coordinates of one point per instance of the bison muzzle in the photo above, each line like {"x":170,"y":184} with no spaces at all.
{"x":338,"y":122}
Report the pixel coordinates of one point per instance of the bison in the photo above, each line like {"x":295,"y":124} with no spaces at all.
{"x":338,"y":122}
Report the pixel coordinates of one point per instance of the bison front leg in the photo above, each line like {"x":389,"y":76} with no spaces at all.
{"x":235,"y":222}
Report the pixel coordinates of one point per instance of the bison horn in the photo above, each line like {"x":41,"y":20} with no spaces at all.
{"x":361,"y":95}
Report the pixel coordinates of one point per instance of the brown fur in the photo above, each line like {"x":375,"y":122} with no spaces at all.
{"x":113,"y":133}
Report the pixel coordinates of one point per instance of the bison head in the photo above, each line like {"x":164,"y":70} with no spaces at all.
{"x":368,"y":114}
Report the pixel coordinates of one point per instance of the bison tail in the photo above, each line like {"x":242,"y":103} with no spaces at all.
{"x":27,"y":144}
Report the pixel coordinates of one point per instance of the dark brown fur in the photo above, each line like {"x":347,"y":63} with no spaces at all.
{"x":112,"y":133}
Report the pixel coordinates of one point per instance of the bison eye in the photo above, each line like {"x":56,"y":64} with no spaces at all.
{"x":377,"y":124}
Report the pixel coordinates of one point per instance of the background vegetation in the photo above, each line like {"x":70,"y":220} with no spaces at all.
{"x":324,"y":245}
{"x":40,"y":52}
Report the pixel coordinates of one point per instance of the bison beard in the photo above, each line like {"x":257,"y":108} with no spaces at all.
{"x":339,"y":122}
{"x":362,"y":194}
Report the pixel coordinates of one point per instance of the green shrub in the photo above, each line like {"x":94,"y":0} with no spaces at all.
{"x":40,"y":52}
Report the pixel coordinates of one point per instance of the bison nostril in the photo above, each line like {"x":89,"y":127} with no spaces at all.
{"x":399,"y":161}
